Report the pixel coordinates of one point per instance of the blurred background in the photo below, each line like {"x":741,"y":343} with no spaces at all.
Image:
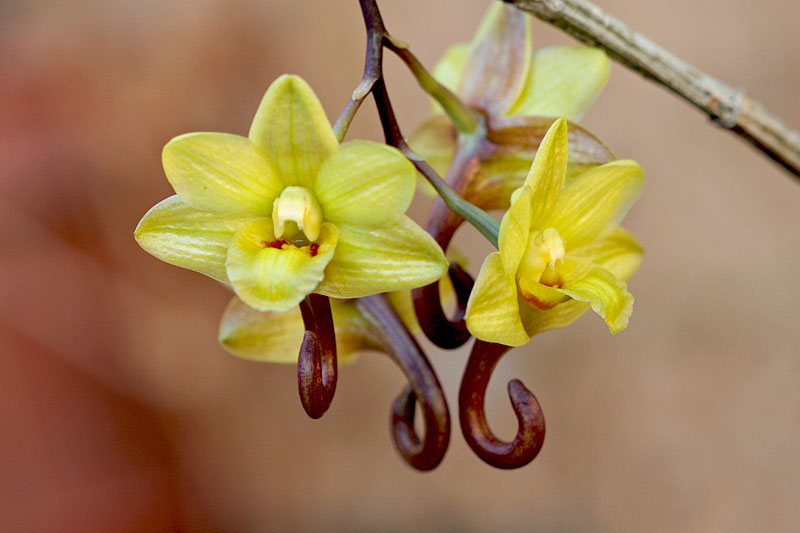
{"x":119,"y":410}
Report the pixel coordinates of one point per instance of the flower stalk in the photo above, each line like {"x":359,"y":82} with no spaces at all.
{"x":529,"y":439}
{"x":426,"y":452}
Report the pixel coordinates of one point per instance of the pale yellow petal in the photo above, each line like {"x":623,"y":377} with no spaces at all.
{"x":596,"y":201}
{"x":608,"y":296}
{"x":618,"y":252}
{"x":366,"y":184}
{"x":222,"y":173}
{"x":493,"y":313}
{"x":291,"y":127}
{"x":272,"y":278}
{"x":373,"y":260}
{"x":515,"y":230}
{"x":275,"y":336}
{"x":548,"y":171}
{"x":186,"y":237}
{"x":563,"y":82}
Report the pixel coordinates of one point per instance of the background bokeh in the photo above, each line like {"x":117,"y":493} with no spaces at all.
{"x":119,"y":411}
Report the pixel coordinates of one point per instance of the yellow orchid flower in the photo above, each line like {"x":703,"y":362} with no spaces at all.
{"x":520,"y":93}
{"x":287,"y":211}
{"x":561,"y":250}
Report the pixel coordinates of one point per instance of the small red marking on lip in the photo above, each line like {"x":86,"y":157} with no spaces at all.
{"x":313,"y":249}
{"x":275,"y":244}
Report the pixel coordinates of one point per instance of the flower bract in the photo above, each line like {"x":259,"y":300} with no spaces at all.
{"x":288,"y":211}
{"x":561,"y":250}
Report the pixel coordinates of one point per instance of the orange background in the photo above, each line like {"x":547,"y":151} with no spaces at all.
{"x":119,"y":411}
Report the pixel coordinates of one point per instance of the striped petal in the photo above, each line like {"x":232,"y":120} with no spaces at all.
{"x":608,"y":296}
{"x":365,"y":184}
{"x":275,"y":337}
{"x":291,"y":127}
{"x":395,"y":257}
{"x":221,"y":173}
{"x":186,"y":237}
{"x":493,"y":313}
{"x":563,"y":82}
{"x":596,"y":201}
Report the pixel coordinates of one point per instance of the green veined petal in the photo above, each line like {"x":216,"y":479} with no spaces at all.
{"x":499,"y":59}
{"x":291,"y":126}
{"x":222,"y":173}
{"x":273,"y":279}
{"x":563,"y":82}
{"x":618,"y":252}
{"x":548,"y":171}
{"x":493,"y":313}
{"x":374,"y":260}
{"x":275,"y":337}
{"x":186,"y":237}
{"x":515,"y":230}
{"x":608,"y":296}
{"x":365,"y":184}
{"x":596,"y":201}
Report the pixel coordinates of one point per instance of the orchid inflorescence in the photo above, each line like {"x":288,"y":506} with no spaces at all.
{"x":311,"y":234}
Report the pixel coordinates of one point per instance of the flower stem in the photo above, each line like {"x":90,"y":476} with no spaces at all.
{"x":464,"y":118}
{"x":372,"y":82}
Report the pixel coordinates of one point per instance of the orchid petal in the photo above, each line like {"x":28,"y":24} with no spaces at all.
{"x":514,"y":231}
{"x":596,"y":201}
{"x":563,"y":82}
{"x":372,"y":260}
{"x":365,"y":184}
{"x":186,"y":237}
{"x":538,"y":320}
{"x":291,"y":127}
{"x":608,"y":296}
{"x":539,"y":295}
{"x":499,"y":59}
{"x":493,"y":313}
{"x":274,"y":336}
{"x":274,"y":277}
{"x":548,"y":171}
{"x":618,"y":252}
{"x":221,"y":173}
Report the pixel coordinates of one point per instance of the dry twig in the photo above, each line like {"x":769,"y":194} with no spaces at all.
{"x":728,"y":107}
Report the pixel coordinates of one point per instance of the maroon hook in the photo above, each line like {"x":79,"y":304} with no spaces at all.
{"x":424,"y":389}
{"x":316,"y":363}
{"x":530,"y":434}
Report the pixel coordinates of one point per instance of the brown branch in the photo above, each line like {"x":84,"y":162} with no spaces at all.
{"x":728,"y":107}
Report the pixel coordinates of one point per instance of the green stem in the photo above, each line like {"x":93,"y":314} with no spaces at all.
{"x":465,"y":119}
{"x":480,"y":219}
{"x":345,"y":118}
